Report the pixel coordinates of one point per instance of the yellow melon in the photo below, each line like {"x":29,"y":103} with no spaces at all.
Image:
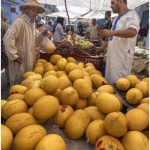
{"x":26,"y":82}
{"x":89,"y":64}
{"x":70,"y":67}
{"x":54,"y":73}
{"x":116,"y":124}
{"x":91,"y":100}
{"x":95,"y":72}
{"x":39,"y":70}
{"x":94,"y":113}
{"x":144,"y":107}
{"x":146,"y":80}
{"x":134,"y":96}
{"x":120,"y":100}
{"x":123,"y":84}
{"x":108,"y":142}
{"x":71,"y":59}
{"x":15,"y":96}
{"x":38,"y":64}
{"x":81,"y":104}
{"x":35,"y":76}
{"x":146,"y":133}
{"x":133,"y":80}
{"x":137,"y":119}
{"x":28,"y":137}
{"x":50,"y":84}
{"x":81,"y":63}
{"x":34,"y":84}
{"x":54,"y":58}
{"x":95,"y":130}
{"x":55,"y":66}
{"x":69,"y":96}
{"x":98,"y":81}
{"x":3,"y":102}
{"x":61,"y":64}
{"x":57,"y":94}
{"x":13,"y":107}
{"x":25,"y":75}
{"x":89,"y":81}
{"x":18,"y":121}
{"x":83,"y":88}
{"x":43,"y":61}
{"x":46,"y":64}
{"x":64,"y":82}
{"x":49,"y":67}
{"x":51,"y":142}
{"x":143,"y":87}
{"x":76,"y":124}
{"x":135,"y":140}
{"x":46,"y":104}
{"x":145,"y":100}
{"x":32,"y":95}
{"x":6,"y":138}
{"x":107,"y":102}
{"x":89,"y":68}
{"x":62,"y":115}
{"x":106,"y":88}
{"x":86,"y":74}
{"x":61,"y":72}
{"x":17,"y":89}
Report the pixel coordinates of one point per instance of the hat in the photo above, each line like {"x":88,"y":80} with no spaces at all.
{"x":32,"y":3}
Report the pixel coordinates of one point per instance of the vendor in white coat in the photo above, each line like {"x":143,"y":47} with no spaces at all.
{"x":59,"y":33}
{"x":122,"y":41}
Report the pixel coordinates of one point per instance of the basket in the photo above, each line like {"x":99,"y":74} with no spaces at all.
{"x":97,"y":62}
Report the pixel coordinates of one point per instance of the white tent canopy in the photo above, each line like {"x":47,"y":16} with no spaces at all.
{"x":93,"y":4}
{"x":62,"y":14}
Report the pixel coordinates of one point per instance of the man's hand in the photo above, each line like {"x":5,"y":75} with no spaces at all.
{"x":106,"y":33}
{"x":18,"y":60}
{"x":47,"y":33}
{"x":99,"y":50}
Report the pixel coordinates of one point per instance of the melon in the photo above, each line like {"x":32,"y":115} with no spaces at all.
{"x":143,"y":87}
{"x":75,"y":74}
{"x":83,"y":88}
{"x":94,"y":113}
{"x":89,"y":64}
{"x":28,"y":137}
{"x":98,"y":81}
{"x":116,"y":124}
{"x":146,"y":80}
{"x":40,"y":121}
{"x":35,"y":76}
{"x":76,"y":124}
{"x":137,"y":119}
{"x":81,"y":104}
{"x":106,"y":88}
{"x":50,"y":84}
{"x":17,"y":89}
{"x":71,"y":60}
{"x":108,"y":142}
{"x":46,"y":64}
{"x":144,"y":107}
{"x":86,"y":74}
{"x":39,"y":70}
{"x":38,"y":64}
{"x":57,"y":94}
{"x":95,"y":72}
{"x":6,"y":138}
{"x":61,"y":64}
{"x":89,"y":68}
{"x":95,"y":130}
{"x":81,"y":64}
{"x":64,"y":82}
{"x":32,"y":95}
{"x":146,"y":133}
{"x":13,"y":107}
{"x":46,"y":104}
{"x":120,"y":100}
{"x":61,"y":72}
{"x":91,"y":100}
{"x":34,"y":84}
{"x":123,"y":84}
{"x":89,"y":81}
{"x":70,"y":67}
{"x":145,"y":100}
{"x":54,"y":73}
{"x":43,"y":61}
{"x":26,"y":82}
{"x":135,"y":140}
{"x":54,"y":58}
{"x":15,"y":96}
{"x":51,"y":142}
{"x":87,"y":77}
{"x":107,"y":102}
{"x":134,"y":96}
{"x":62,"y":115}
{"x":69,"y":96}
{"x":28,"y":73}
{"x":3,"y":102}
{"x":49,"y":67}
{"x":18,"y":121}
{"x":133,"y":80}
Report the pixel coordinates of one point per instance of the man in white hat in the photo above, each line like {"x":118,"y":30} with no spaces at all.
{"x":20,"y":41}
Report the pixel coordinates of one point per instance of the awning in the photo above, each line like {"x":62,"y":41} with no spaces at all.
{"x":103,"y":5}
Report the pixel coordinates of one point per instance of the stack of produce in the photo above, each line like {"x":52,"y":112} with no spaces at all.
{"x":62,"y":89}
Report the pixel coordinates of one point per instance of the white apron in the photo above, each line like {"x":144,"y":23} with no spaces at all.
{"x":120,"y":50}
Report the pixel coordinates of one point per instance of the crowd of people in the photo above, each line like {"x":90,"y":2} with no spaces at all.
{"x":21,"y":48}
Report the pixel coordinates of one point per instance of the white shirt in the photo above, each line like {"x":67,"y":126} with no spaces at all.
{"x":121,"y":50}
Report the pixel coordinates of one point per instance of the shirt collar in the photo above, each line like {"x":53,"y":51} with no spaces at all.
{"x":31,"y":22}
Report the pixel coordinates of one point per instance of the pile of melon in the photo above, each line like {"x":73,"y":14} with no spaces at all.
{"x":78,"y":99}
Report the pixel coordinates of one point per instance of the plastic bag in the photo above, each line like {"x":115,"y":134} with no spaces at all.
{"x":46,"y":45}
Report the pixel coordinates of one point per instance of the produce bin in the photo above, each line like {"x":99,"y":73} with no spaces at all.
{"x":96,"y":61}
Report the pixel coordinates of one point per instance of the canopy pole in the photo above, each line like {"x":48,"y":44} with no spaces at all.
{"x":67,"y":15}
